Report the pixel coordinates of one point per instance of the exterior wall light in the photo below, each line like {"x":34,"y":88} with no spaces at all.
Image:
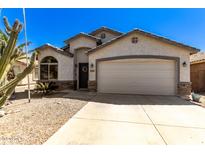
{"x":184,"y":64}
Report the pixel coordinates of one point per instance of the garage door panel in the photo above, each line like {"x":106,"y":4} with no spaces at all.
{"x":140,"y":68}
{"x":143,"y":82}
{"x":137,"y":76}
{"x":149,"y":90}
{"x":140,"y":85}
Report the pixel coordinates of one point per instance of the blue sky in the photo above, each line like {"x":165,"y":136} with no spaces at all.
{"x":56,"y":25}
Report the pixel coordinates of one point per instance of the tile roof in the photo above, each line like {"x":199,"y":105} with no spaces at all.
{"x":198,"y":57}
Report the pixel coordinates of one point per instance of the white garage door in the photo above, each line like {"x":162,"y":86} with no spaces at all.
{"x":137,"y":76}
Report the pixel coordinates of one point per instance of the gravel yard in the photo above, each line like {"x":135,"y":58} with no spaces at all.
{"x":35,"y":122}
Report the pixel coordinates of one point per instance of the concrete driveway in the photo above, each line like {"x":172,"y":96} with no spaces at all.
{"x":134,"y":119}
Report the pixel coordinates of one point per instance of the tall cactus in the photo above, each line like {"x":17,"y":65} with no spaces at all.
{"x":9,"y":54}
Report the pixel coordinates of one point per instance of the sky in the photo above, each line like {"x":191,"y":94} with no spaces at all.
{"x":56,"y":25}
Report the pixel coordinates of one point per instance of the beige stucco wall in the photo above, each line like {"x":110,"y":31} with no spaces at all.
{"x":145,"y":46}
{"x":65,"y":64}
{"x":25,"y":80}
{"x":81,"y":55}
{"x":81,"y":42}
{"x":108,"y":37}
{"x":18,"y":68}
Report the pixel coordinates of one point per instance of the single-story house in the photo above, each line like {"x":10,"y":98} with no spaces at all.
{"x":109,"y":61}
{"x":198,"y":72}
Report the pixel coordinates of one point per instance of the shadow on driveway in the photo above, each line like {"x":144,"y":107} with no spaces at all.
{"x":139,"y":100}
{"x":118,"y":99}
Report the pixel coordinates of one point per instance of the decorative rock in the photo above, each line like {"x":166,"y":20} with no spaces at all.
{"x":58,"y":102}
{"x":202,"y":100}
{"x":9,"y":112}
{"x":2,"y":113}
{"x":8,"y":103}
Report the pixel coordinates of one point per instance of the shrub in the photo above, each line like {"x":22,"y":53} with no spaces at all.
{"x":195,"y":97}
{"x":45,"y":87}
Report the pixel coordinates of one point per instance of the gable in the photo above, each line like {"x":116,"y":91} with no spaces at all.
{"x":65,"y":63}
{"x":50,"y":52}
{"x":81,"y":35}
{"x":112,"y":31}
{"x":82,"y":42}
{"x":190,"y":49}
{"x":108,"y":36}
{"x":55,"y":49}
{"x":144,"y":46}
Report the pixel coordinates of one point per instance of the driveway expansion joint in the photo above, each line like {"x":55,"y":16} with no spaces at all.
{"x":166,"y":125}
{"x":131,"y":122}
{"x":154,"y":125}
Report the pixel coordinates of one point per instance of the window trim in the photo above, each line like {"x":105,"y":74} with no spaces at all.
{"x":135,"y":40}
{"x":102,"y":34}
{"x":48,"y":73}
{"x":35,"y":78}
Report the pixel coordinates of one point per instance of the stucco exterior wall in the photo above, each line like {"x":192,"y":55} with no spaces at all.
{"x":65,"y":64}
{"x":18,"y":68}
{"x":25,"y":80}
{"x":145,"y":46}
{"x":81,"y":56}
{"x":108,"y":37}
{"x":82,"y":42}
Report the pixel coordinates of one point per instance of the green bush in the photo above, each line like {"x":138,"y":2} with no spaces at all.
{"x":195,"y":97}
{"x":45,"y":87}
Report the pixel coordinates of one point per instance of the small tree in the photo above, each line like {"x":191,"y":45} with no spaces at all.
{"x":9,"y":54}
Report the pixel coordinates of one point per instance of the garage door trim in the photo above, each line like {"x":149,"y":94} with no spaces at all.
{"x":177,"y":59}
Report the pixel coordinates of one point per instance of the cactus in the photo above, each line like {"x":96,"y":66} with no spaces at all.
{"x":9,"y":54}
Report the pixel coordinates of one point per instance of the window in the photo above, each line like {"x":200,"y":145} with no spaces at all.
{"x":134,"y":40}
{"x":35,"y":73}
{"x":102,"y":36}
{"x":49,"y":68}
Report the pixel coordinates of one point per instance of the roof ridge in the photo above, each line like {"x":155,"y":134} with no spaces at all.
{"x":165,"y":38}
{"x":81,"y":33}
{"x":57,"y":49}
{"x":105,"y":28}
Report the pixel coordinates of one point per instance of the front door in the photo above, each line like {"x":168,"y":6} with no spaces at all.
{"x":83,"y":75}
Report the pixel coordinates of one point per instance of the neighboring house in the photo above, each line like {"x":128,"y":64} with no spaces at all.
{"x":198,"y":72}
{"x":19,"y":66}
{"x":109,"y":61}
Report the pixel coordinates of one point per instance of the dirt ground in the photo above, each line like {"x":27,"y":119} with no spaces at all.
{"x":35,"y":122}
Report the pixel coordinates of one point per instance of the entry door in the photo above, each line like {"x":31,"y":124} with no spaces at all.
{"x":83,"y":75}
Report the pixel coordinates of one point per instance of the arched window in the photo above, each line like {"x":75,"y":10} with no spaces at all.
{"x":49,"y":68}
